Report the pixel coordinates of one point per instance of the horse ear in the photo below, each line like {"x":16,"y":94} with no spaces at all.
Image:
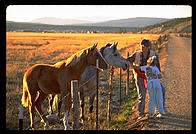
{"x":114,"y":47}
{"x":116,"y":43}
{"x":108,"y":45}
{"x":85,"y":52}
{"x":95,"y":45}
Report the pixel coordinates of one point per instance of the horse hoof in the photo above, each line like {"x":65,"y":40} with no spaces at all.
{"x":42,"y":121}
{"x":66,"y":128}
{"x":32,"y":129}
{"x":82,"y":121}
{"x":89,"y":118}
{"x":46,"y":125}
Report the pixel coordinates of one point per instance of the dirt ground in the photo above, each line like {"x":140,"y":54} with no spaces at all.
{"x":176,"y":66}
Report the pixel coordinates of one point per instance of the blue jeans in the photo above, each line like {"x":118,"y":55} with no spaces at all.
{"x":163,"y":91}
{"x":141,"y":90}
{"x":156,"y":96}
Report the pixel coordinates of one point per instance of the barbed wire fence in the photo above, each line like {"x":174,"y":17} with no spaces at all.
{"x":76,"y":89}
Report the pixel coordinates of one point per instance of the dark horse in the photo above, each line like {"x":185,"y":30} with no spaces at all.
{"x":43,"y":79}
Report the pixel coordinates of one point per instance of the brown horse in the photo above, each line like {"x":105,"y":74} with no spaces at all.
{"x":43,"y":79}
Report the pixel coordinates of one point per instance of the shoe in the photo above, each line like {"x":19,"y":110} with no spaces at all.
{"x":150,"y":116}
{"x":166,"y":112}
{"x":160,"y":116}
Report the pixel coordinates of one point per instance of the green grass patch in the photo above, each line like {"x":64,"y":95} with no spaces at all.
{"x":118,"y":122}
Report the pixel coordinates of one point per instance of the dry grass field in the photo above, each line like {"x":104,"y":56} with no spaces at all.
{"x":26,"y":49}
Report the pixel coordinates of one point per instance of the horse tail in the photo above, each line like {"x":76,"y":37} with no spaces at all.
{"x":25,"y":96}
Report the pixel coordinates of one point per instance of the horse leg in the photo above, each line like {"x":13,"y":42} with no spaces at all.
{"x":50,"y":102}
{"x":82,"y":105}
{"x":82,"y":109}
{"x":67,"y":105}
{"x":42,"y":96}
{"x":31,"y":112}
{"x":59,"y":107}
{"x":54,"y":101}
{"x":32,"y":93}
{"x":91,"y":100}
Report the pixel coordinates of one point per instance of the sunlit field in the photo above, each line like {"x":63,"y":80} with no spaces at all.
{"x":26,"y":49}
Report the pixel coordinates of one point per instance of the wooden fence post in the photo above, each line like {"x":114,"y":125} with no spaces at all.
{"x":127,"y":80}
{"x":75,"y":98}
{"x":20,"y":117}
{"x":110,"y":94}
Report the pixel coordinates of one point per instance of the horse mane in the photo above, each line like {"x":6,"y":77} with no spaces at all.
{"x":102,"y":49}
{"x":71,"y":61}
{"x":74,"y":59}
{"x":60,"y":64}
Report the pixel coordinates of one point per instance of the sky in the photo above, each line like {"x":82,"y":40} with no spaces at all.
{"x":95,"y":13}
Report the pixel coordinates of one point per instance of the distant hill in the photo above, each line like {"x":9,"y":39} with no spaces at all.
{"x":35,"y":27}
{"x":59,"y":21}
{"x":178,"y":25}
{"x":130,"y":22}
